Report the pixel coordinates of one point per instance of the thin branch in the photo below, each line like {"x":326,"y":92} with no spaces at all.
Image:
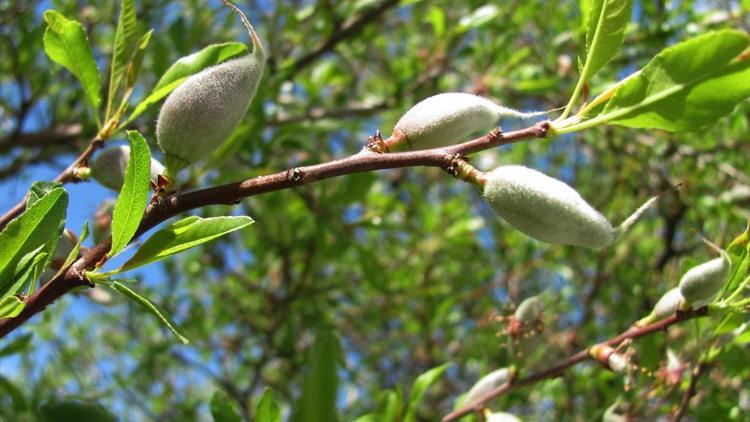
{"x":573,"y":360}
{"x":347,"y":30}
{"x":697,"y":372}
{"x":232,"y":193}
{"x":65,"y":176}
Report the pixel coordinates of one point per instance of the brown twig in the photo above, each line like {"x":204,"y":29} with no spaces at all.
{"x":697,"y":372}
{"x":347,"y":30}
{"x":65,"y":176}
{"x":556,"y":370}
{"x":232,"y":193}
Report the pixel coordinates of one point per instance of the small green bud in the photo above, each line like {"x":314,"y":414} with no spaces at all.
{"x":702,"y":282}
{"x":204,"y":110}
{"x":108,"y":168}
{"x":487,"y":383}
{"x":447,"y":119}
{"x":549,"y":210}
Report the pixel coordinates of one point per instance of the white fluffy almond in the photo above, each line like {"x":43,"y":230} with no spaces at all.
{"x":108,"y":168}
{"x":447,"y":119}
{"x":204,"y":110}
{"x":487,"y":383}
{"x":701,"y":283}
{"x":548,"y":209}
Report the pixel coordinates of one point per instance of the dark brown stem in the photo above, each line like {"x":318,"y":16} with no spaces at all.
{"x":346,"y":31}
{"x":232,"y":193}
{"x":65,"y":176}
{"x":697,"y":372}
{"x":562,"y":366}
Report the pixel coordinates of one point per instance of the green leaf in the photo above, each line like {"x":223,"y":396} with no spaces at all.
{"x":134,"y":68}
{"x":11,"y":306}
{"x":391,"y":403}
{"x":223,"y":409}
{"x":151,"y":307}
{"x":26,"y":271}
{"x":685,"y":87}
{"x":186,"y":66}
{"x":75,"y":411}
{"x":66,"y":43}
{"x":76,"y":248}
{"x":39,"y":189}
{"x":184,"y":234}
{"x":268,"y":410}
{"x":604,"y":33}
{"x":318,"y":401}
{"x":18,"y":345}
{"x":39,"y":225}
{"x":419,"y":388}
{"x":131,"y":203}
{"x":739,"y":252}
{"x":126,"y":42}
{"x":153,"y":98}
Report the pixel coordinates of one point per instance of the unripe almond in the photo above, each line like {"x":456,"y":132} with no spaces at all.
{"x":501,"y":417}
{"x":665,"y":306}
{"x":530,"y":308}
{"x":205,"y":109}
{"x":447,"y":119}
{"x":487,"y":383}
{"x":108,"y":168}
{"x":702,"y":282}
{"x":549,"y":210}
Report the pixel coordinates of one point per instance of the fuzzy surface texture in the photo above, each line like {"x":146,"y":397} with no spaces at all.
{"x":447,"y":119}
{"x":487,"y":383}
{"x":109,"y":167}
{"x":545,"y":208}
{"x":701,"y":283}
{"x":668,"y":303}
{"x":204,"y":110}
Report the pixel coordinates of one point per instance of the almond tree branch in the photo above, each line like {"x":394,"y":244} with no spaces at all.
{"x":697,"y":372}
{"x":232,"y":193}
{"x":348,"y":30}
{"x":556,"y":370}
{"x":65,"y":176}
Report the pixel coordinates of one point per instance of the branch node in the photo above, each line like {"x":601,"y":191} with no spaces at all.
{"x":295,"y":175}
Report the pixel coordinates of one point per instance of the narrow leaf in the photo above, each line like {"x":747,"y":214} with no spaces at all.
{"x":223,"y":409}
{"x":28,"y":271}
{"x":268,"y":410}
{"x":10,"y":307}
{"x":38,"y":225}
{"x":65,"y":42}
{"x":318,"y":401}
{"x":186,"y":66}
{"x":134,"y":68}
{"x":182,"y":235}
{"x":685,"y":87}
{"x":151,"y":307}
{"x":419,"y":388}
{"x":77,"y":248}
{"x":39,"y":189}
{"x":131,"y":202}
{"x":126,"y":42}
{"x":604,"y":33}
